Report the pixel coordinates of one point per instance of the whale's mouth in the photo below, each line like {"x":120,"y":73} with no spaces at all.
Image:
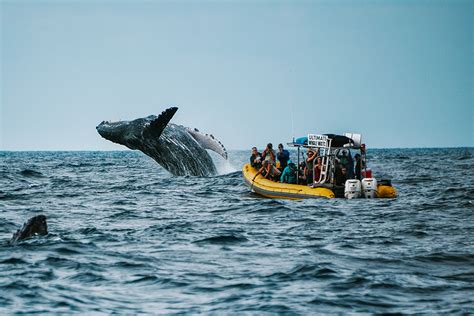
{"x":103,"y":130}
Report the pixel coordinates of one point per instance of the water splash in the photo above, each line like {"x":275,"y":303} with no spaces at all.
{"x":223,"y":166}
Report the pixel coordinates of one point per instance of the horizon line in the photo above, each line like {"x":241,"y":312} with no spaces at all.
{"x":125,"y":150}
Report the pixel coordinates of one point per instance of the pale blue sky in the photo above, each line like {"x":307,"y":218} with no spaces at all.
{"x":399,"y":72}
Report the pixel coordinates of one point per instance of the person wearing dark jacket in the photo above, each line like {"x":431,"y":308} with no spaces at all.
{"x":340,"y":174}
{"x":283,"y":156}
{"x":256,"y":158}
{"x":309,"y":166}
{"x":358,"y":167}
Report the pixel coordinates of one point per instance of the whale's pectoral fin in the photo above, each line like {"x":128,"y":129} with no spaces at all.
{"x":157,"y":126}
{"x":208,"y":141}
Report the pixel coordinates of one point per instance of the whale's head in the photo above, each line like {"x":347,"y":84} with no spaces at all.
{"x":116,"y":132}
{"x":133,"y":133}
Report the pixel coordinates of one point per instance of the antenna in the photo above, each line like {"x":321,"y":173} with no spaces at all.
{"x":292,"y":122}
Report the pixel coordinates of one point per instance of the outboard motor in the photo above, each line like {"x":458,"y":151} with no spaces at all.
{"x":352,"y":189}
{"x":369,"y":187}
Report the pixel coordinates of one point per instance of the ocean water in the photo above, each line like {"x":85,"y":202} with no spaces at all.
{"x":127,"y":237}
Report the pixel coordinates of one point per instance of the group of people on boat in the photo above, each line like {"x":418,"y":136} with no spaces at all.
{"x":308,"y":171}
{"x":265,"y":162}
{"x":346,"y":168}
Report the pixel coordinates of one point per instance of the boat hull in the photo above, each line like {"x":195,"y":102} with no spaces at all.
{"x":271,"y":189}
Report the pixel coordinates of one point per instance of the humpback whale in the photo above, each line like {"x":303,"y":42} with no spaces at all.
{"x":178,"y":149}
{"x":34,"y":226}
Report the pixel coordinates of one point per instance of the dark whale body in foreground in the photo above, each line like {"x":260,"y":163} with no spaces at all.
{"x":34,"y":226}
{"x":178,"y":149}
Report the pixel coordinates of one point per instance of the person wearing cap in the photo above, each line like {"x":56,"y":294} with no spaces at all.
{"x":289,"y":173}
{"x":283,"y":156}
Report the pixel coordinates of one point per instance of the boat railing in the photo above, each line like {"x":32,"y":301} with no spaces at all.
{"x":323,"y":174}
{"x":323,"y":145}
{"x":328,"y":149}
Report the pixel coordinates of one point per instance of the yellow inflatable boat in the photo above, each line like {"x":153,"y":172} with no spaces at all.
{"x":333,"y":156}
{"x":272,"y":189}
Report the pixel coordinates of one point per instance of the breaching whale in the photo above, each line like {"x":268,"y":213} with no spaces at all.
{"x":178,"y":149}
{"x":34,"y":226}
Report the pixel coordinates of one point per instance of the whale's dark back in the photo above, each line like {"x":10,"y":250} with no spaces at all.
{"x":34,"y":226}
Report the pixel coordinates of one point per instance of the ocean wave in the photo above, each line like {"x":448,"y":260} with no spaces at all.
{"x":14,"y":261}
{"x":127,"y":237}
{"x":31,"y":173}
{"x":447,"y":258}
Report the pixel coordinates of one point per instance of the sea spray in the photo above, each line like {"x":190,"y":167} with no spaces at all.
{"x":224,"y":166}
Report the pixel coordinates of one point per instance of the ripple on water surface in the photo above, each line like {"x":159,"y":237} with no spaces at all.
{"x":126,"y":237}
